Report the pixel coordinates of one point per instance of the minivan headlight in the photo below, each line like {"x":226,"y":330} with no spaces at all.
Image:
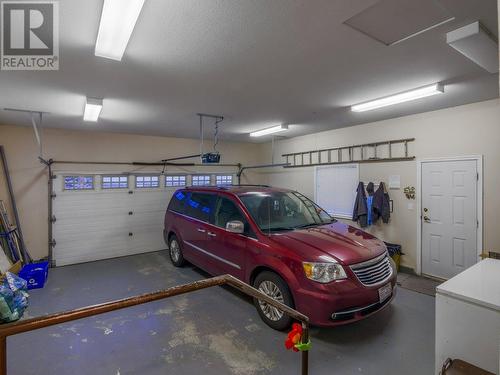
{"x":324,"y":272}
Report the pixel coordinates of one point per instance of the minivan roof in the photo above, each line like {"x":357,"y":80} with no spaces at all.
{"x":238,"y":189}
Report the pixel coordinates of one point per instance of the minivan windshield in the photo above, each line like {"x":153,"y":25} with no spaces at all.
{"x":281,"y":211}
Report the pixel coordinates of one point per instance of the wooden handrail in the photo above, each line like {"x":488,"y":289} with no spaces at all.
{"x":84,"y":312}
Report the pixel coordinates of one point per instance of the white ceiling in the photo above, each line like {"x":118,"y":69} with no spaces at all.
{"x":257,"y":62}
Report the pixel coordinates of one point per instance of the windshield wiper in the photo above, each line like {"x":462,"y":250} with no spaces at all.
{"x":316,"y":224}
{"x":308,"y":225}
{"x":277,"y":229}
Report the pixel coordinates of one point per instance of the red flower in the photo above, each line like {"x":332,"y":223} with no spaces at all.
{"x":294,"y":337}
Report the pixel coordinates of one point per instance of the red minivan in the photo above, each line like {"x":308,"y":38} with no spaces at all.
{"x":286,"y":246}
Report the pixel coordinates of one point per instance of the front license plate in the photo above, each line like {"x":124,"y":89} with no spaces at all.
{"x":384,"y":292}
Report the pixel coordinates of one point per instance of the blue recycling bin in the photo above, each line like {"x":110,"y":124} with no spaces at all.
{"x":35,"y":274}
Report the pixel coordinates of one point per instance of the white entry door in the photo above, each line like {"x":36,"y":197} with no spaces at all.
{"x":449,"y":217}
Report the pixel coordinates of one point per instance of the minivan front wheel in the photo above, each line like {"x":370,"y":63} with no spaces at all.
{"x":275,"y":287}
{"x":175,"y":252}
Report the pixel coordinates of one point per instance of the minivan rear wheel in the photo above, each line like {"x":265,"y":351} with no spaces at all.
{"x":275,"y":287}
{"x":175,"y":252}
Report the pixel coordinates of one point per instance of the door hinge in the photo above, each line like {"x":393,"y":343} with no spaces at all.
{"x":53,"y":219}
{"x":53,"y":243}
{"x":53,"y":195}
{"x":477,"y":176}
{"x":477,"y":223}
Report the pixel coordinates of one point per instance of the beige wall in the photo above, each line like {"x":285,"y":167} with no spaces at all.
{"x":29,"y":176}
{"x":465,"y":130}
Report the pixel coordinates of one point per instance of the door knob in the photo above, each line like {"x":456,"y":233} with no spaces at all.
{"x":201,"y":230}
{"x":426,"y":219}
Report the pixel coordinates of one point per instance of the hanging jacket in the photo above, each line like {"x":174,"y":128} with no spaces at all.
{"x":369,"y":206}
{"x":381,"y":205}
{"x":370,"y":189}
{"x":360,"y":211}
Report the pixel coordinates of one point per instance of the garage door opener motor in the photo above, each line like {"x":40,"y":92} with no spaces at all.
{"x":214,"y":156}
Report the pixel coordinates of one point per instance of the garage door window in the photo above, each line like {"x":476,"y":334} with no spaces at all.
{"x":223,"y":180}
{"x":114,"y":182}
{"x":201,"y":180}
{"x":147,"y":182}
{"x":78,"y":182}
{"x":199,"y":206}
{"x":175,"y":181}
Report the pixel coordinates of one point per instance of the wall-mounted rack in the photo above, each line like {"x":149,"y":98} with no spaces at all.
{"x":347,"y":154}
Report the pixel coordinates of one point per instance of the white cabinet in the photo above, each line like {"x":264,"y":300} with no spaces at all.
{"x":468,"y":317}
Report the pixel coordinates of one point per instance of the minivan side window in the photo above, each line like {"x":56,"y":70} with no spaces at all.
{"x":178,"y":202}
{"x":227,"y":211}
{"x":200,"y":206}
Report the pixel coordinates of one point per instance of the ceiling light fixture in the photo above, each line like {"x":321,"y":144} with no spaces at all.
{"x":402,"y":97}
{"x":477,"y":43}
{"x":274,"y":129}
{"x":118,"y":19}
{"x":93,"y":107}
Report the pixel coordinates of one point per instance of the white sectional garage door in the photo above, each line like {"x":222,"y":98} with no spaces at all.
{"x":93,"y":223}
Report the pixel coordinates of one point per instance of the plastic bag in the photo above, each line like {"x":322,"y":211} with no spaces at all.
{"x":13,"y":298}
{"x":15,"y":282}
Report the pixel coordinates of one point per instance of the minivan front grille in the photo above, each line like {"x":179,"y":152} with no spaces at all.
{"x":373,"y":271}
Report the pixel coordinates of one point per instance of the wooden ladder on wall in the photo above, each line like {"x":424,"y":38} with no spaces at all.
{"x":362,"y":153}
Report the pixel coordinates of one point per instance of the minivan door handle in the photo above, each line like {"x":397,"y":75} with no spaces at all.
{"x":201,"y":230}
{"x":212,"y":234}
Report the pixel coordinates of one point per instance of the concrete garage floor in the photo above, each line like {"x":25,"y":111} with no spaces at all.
{"x":214,"y":331}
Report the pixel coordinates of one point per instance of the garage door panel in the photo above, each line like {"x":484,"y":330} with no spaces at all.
{"x":72,"y":235}
{"x":109,"y":253}
{"x":90,"y":212}
{"x":146,"y":210}
{"x":149,"y":218}
{"x":151,"y":195}
{"x":90,"y":205}
{"x":93,"y":250}
{"x":79,"y":224}
{"x":90,"y":208}
{"x":91,"y":245}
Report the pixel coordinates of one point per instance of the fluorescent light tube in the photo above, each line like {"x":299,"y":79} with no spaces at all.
{"x":118,"y":20}
{"x":402,"y":97}
{"x":274,"y":129}
{"x":93,"y":107}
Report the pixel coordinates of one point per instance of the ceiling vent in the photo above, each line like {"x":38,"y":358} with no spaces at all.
{"x":476,"y":43}
{"x":393,"y":21}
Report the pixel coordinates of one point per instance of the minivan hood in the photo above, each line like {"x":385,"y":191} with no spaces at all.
{"x":343,"y":242}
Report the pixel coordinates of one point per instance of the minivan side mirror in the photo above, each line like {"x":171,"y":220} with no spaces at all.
{"x":235,"y":226}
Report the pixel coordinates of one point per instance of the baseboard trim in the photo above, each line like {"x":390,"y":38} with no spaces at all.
{"x":405,"y":269}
